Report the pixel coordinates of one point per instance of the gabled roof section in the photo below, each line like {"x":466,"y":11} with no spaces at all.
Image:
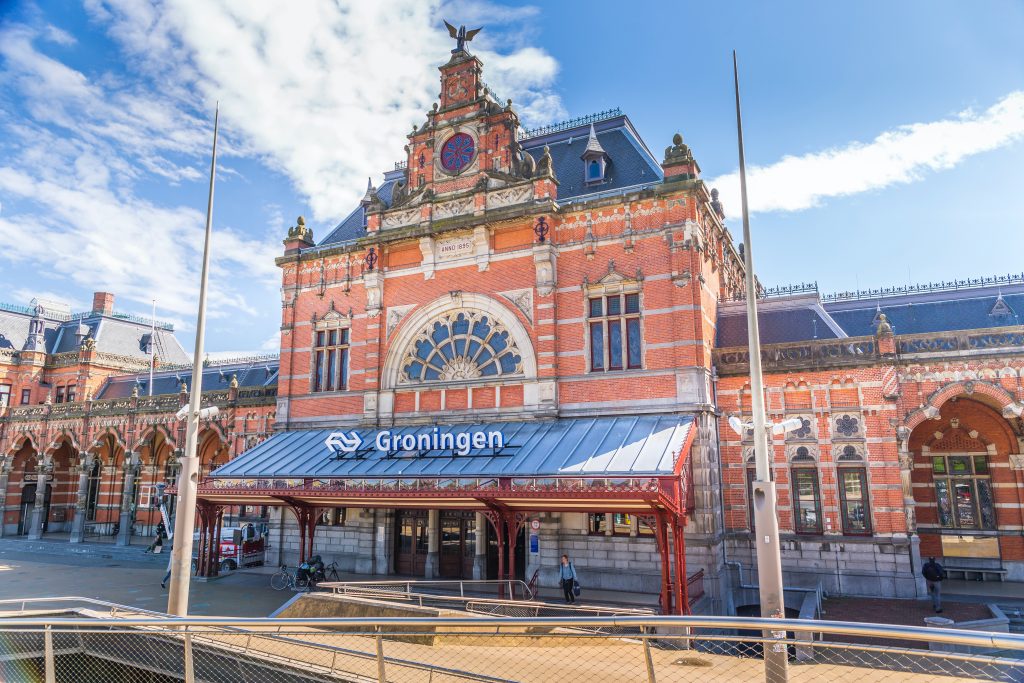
{"x":630,"y":162}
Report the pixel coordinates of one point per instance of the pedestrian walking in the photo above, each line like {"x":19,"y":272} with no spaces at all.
{"x":933,"y":574}
{"x":158,"y":542}
{"x":568,"y":579}
{"x":167,"y":576}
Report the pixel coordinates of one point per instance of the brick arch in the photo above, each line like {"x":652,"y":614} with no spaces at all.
{"x":152,"y":430}
{"x":98,"y":441}
{"x":970,"y":388}
{"x":58,"y":441}
{"x":20,"y":440}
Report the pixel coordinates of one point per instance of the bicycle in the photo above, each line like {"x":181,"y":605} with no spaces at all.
{"x":285,"y":579}
{"x":331,"y":572}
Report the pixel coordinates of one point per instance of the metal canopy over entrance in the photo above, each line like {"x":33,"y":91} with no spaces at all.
{"x":506,"y":470}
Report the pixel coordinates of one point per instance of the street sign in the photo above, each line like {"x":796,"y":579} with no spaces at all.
{"x":535,"y":524}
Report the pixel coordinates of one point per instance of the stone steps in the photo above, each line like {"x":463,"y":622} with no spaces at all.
{"x":109,"y":551}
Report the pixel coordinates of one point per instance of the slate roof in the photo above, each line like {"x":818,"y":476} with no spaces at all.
{"x":215,"y":376}
{"x":608,"y":446}
{"x":776,"y":327}
{"x":966,"y":309}
{"x":629,"y":163}
{"x":911,"y":313}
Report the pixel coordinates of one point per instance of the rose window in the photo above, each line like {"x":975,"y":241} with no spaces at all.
{"x":461,"y":346}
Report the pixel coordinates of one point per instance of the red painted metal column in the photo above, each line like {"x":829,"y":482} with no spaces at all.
{"x":218,"y":520}
{"x":682,"y":590}
{"x":661,"y":540}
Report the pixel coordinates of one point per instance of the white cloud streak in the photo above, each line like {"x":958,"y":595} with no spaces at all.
{"x":903,"y":155}
{"x":323,"y":92}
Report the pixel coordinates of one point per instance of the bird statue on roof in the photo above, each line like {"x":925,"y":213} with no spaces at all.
{"x":461,"y":36}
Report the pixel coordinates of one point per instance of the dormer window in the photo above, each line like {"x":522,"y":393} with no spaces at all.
{"x":595,"y":160}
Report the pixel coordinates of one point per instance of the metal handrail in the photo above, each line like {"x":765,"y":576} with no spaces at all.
{"x":494,"y":625}
{"x":347,"y":587}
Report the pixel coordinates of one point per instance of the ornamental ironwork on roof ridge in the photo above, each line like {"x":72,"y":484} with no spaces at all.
{"x":570,"y":123}
{"x":941,"y":286}
{"x":779,"y":291}
{"x":221,"y":362}
{"x":68,"y":317}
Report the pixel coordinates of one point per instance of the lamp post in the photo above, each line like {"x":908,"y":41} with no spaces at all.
{"x":188,"y":478}
{"x":766,"y":523}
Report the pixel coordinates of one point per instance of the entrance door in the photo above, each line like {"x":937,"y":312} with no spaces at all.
{"x":411,"y":542}
{"x":458,"y":544}
{"x":518,"y":559}
{"x":28,"y":505}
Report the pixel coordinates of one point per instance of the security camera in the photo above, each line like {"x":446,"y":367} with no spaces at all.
{"x":787,"y":425}
{"x":204,"y":413}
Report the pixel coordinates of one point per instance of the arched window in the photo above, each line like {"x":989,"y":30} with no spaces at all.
{"x":461,"y":346}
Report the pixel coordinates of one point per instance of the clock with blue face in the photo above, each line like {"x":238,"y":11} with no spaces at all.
{"x":457,"y":152}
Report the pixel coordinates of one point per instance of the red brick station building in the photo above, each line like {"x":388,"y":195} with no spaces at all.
{"x":522,"y":344}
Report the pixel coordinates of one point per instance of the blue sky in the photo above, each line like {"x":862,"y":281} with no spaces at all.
{"x":884,"y":140}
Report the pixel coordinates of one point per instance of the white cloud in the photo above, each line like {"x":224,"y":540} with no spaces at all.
{"x":902,"y":155}
{"x":327,"y":91}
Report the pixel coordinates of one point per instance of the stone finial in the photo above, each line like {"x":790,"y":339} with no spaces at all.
{"x":679,"y":151}
{"x":716,"y":204}
{"x":371,"y":194}
{"x":184,"y":387}
{"x":300,"y":232}
{"x":546,"y":165}
{"x":884,"y":328}
{"x":233,"y":384}
{"x":88,"y":344}
{"x":135,"y":391}
{"x":49,"y":398}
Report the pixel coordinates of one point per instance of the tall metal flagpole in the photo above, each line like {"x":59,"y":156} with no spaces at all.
{"x":188,"y":479}
{"x":766,"y":524}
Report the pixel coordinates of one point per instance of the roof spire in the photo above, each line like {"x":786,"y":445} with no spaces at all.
{"x":593,"y":144}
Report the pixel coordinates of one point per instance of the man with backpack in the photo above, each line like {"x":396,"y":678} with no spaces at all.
{"x":934,"y":574}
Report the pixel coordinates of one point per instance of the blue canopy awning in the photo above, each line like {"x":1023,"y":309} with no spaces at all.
{"x":648,"y":445}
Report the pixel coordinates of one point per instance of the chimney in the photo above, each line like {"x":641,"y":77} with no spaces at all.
{"x":103,"y":302}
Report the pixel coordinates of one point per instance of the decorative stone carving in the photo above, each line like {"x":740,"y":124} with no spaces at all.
{"x":373,"y":282}
{"x":509,"y":196}
{"x":544,"y":262}
{"x":848,"y":426}
{"x":455,"y":207}
{"x":521,"y":299}
{"x":429,"y":261}
{"x":396,"y":219}
{"x":455,"y":247}
{"x":1017,"y":461}
{"x":395,"y":315}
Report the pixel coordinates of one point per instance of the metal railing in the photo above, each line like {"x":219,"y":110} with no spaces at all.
{"x":667,"y":649}
{"x":463,"y":588}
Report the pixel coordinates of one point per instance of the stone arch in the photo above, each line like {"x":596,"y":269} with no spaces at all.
{"x":150,"y":431}
{"x":59,"y":440}
{"x":411,"y":325}
{"x":20,"y":440}
{"x":997,"y":396}
{"x":100,"y":440}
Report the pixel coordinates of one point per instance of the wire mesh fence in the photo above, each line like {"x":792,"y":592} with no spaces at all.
{"x":666,"y":649}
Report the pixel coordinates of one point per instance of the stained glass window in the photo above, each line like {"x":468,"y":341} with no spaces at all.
{"x":461,"y":346}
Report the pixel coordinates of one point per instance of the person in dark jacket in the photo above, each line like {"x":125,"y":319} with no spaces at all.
{"x":934,"y":574}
